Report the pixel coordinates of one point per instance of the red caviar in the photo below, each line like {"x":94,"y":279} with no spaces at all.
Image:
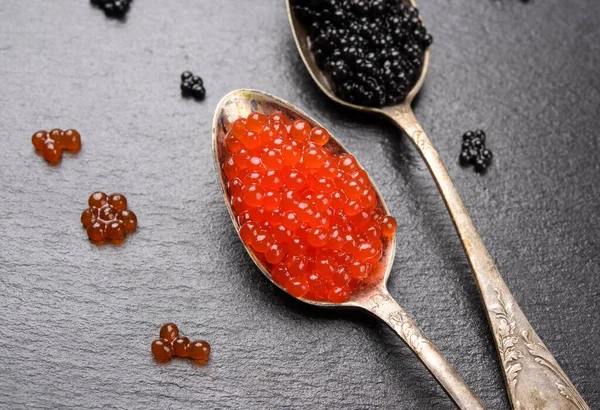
{"x":108,"y":218}
{"x":162,"y":350}
{"x":169,"y":331}
{"x":309,"y":214}
{"x":172,"y":344}
{"x":52,"y":144}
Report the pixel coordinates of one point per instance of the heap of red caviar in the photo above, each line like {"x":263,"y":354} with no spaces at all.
{"x":309,"y":214}
{"x":108,"y":218}
{"x":172,"y":344}
{"x":51,"y":144}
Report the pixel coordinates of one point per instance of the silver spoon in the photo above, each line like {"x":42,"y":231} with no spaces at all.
{"x":533,"y":377}
{"x":373,"y":297}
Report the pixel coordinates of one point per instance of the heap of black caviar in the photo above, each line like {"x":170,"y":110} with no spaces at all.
{"x":192,"y":86}
{"x":474,"y":151}
{"x":113,"y":8}
{"x":372,"y":50}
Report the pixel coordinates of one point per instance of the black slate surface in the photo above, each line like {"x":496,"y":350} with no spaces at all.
{"x":76,"y":320}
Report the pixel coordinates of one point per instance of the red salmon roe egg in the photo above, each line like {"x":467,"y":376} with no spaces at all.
{"x":319,"y":136}
{"x":51,"y":144}
{"x":181,"y":347}
{"x":108,"y":218}
{"x":233,"y":144}
{"x":162,"y":350}
{"x":256,"y":121}
{"x":199,"y":350}
{"x":169,"y":331}
{"x":311,"y":216}
{"x":300,"y":130}
{"x":388,"y":226}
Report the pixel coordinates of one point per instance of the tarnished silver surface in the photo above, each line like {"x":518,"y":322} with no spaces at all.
{"x":372,"y":297}
{"x":533,"y":378}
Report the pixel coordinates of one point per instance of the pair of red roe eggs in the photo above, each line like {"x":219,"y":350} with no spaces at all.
{"x":311,"y":216}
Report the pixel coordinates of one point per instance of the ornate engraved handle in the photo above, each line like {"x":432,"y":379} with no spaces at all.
{"x":386,"y":308}
{"x":533,"y":377}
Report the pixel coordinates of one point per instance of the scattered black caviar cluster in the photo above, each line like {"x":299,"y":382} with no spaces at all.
{"x":113,"y":8}
{"x":192,"y":86}
{"x":372,"y":50}
{"x":474,"y":151}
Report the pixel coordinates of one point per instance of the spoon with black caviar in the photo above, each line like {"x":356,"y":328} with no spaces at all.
{"x":372,"y":296}
{"x":364,"y":65}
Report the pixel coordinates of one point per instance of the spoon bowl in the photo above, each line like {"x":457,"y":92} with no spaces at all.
{"x":241,"y":103}
{"x":302,"y":40}
{"x":537,"y":384}
{"x":373,"y":295}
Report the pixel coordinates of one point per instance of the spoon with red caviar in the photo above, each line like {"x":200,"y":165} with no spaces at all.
{"x":312,"y":220}
{"x":532,"y":375}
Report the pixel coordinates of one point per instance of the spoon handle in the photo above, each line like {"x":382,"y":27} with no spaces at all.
{"x":386,"y":308}
{"x":532,"y":376}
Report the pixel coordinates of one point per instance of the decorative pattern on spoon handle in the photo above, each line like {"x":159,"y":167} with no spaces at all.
{"x":381,"y":304}
{"x":533,"y":377}
{"x":399,"y":320}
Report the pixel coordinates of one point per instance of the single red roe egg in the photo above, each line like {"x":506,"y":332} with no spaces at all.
{"x":319,"y":136}
{"x":297,"y":287}
{"x":311,"y":216}
{"x":199,"y":350}
{"x":256,"y":121}
{"x":388,"y":226}
{"x":169,"y":331}
{"x":118,"y":201}
{"x":162,"y":350}
{"x":98,"y":199}
{"x":300,"y":130}
{"x":181,"y":347}
{"x":51,"y":144}
{"x":107,"y":218}
{"x":71,"y":140}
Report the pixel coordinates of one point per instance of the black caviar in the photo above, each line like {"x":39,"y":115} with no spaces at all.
{"x":192,"y":86}
{"x":113,"y":8}
{"x":372,"y":50}
{"x":474,"y":151}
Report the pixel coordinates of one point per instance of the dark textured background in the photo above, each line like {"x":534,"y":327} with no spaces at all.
{"x":76,"y":320}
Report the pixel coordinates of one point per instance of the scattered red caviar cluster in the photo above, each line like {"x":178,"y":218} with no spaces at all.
{"x":51,"y":144}
{"x":309,"y":214}
{"x":171,"y":344}
{"x":108,"y":217}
